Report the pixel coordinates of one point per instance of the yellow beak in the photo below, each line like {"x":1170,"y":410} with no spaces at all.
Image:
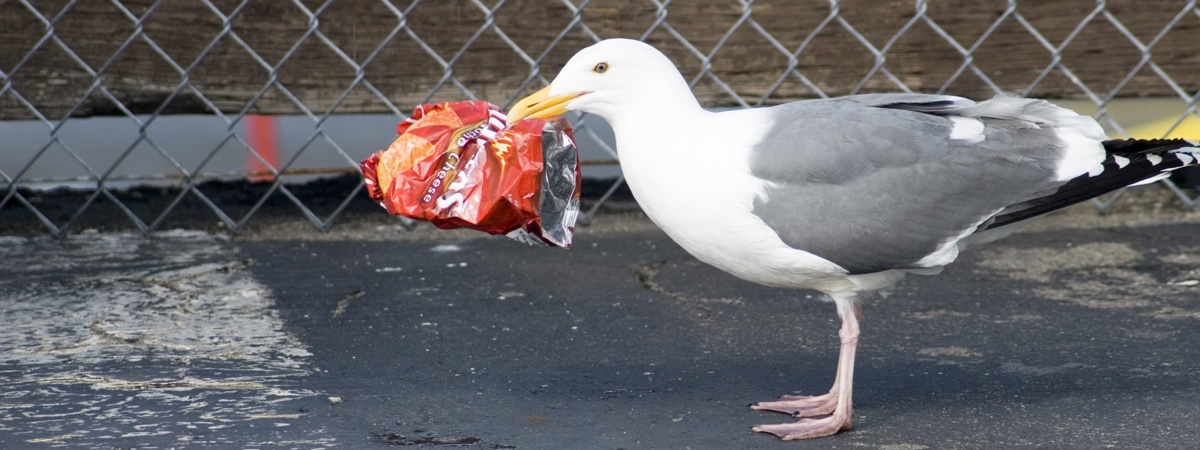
{"x":541,"y":105}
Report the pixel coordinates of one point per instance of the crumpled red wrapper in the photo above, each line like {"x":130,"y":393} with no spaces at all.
{"x":459,"y":164}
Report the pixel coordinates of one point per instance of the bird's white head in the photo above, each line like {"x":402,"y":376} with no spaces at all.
{"x":611,"y":78}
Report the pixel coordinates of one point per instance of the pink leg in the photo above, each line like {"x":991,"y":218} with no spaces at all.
{"x":805,"y":405}
{"x":837,"y":403}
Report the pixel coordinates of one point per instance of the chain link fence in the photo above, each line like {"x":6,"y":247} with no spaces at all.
{"x":102,"y":98}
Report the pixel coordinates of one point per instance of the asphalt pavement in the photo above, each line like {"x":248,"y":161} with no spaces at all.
{"x":1064,"y":336}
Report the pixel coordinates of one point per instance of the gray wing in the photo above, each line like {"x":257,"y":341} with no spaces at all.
{"x":875,"y":182}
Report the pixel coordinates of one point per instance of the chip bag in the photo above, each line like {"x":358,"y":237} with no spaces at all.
{"x":460,"y":164}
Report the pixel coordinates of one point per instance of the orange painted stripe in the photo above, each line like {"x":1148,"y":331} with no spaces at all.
{"x":263,"y":136}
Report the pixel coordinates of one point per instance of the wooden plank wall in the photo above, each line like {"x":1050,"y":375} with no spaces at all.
{"x":836,"y":61}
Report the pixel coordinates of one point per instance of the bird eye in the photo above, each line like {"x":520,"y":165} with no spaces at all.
{"x":600,"y":68}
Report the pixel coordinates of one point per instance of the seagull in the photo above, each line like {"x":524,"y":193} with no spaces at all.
{"x":842,"y":195}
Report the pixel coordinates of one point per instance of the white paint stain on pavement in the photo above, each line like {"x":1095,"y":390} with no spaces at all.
{"x":115,"y":339}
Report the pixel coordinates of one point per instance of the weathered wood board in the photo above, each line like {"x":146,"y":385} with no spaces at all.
{"x":272,"y":57}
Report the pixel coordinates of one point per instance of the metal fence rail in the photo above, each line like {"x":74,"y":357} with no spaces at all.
{"x":142,"y":62}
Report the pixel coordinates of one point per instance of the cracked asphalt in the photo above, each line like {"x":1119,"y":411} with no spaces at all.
{"x":1081,"y":333}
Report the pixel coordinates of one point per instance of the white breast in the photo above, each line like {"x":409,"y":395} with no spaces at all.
{"x":698,"y":188}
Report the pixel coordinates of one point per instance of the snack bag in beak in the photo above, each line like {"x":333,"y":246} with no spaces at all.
{"x":460,"y":164}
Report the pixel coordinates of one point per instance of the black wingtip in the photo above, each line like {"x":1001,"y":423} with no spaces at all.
{"x":1129,"y":161}
{"x":1130,"y":147}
